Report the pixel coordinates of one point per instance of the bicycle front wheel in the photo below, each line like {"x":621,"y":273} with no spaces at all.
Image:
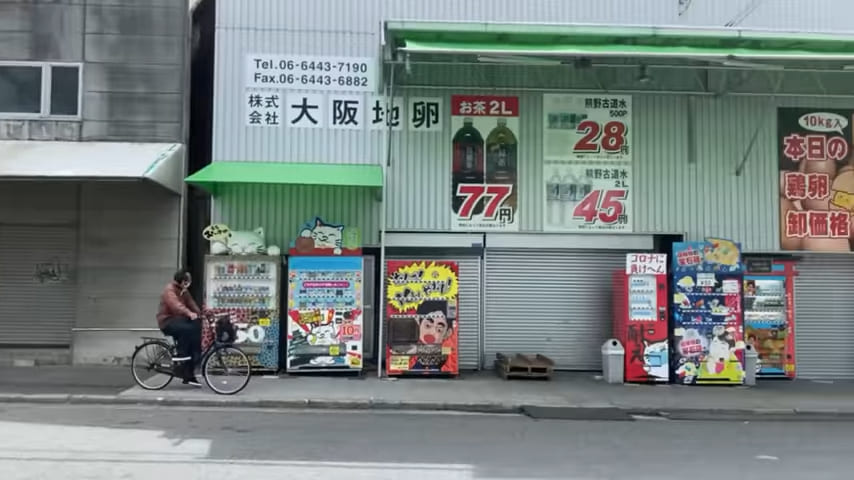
{"x":226,"y":370}
{"x":151,"y":365}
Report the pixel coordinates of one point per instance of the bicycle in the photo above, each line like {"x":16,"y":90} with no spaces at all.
{"x":154,"y":356}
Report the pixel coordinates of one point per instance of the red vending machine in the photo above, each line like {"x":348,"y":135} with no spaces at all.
{"x":640,"y":317}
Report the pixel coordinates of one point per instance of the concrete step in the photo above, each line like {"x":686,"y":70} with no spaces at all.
{"x":31,"y":357}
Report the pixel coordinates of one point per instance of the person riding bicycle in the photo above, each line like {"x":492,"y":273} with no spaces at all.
{"x":179,"y":316}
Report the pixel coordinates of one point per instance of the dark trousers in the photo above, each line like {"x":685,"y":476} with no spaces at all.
{"x":188,"y":335}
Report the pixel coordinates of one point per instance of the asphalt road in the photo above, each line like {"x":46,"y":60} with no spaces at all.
{"x":94,"y":442}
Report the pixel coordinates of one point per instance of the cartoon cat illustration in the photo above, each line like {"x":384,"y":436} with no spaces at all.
{"x":720,"y":349}
{"x":325,"y":235}
{"x":655,"y":359}
{"x":322,"y":335}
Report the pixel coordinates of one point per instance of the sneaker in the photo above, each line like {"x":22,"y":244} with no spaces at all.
{"x":192,"y":382}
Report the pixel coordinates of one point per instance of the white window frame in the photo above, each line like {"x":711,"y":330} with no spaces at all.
{"x":44,"y":114}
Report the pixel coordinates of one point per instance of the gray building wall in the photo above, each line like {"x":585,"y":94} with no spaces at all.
{"x":134,"y":56}
{"x":675,"y":190}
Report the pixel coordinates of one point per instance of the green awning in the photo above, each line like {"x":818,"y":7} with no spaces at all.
{"x":223,"y":173}
{"x":609,"y":41}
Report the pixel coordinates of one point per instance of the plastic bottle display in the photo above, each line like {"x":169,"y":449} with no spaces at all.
{"x":468,"y":162}
{"x":501,"y":158}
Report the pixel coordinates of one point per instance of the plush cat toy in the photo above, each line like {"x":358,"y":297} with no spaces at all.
{"x":224,"y":241}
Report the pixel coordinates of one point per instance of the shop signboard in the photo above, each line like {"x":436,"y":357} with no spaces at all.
{"x":484,"y":165}
{"x":816,"y":178}
{"x":587,"y":168}
{"x":422,"y":313}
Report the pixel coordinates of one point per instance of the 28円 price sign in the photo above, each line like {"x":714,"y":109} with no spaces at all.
{"x":485,"y":146}
{"x":816,"y":179}
{"x":587,"y":171}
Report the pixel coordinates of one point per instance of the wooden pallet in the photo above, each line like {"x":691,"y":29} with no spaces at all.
{"x":523,"y":366}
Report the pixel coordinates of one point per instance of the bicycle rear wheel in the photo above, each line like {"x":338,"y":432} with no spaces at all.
{"x":226,"y":370}
{"x":151,"y":365}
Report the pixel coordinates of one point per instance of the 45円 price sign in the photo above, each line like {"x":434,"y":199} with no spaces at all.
{"x":587,"y":171}
{"x":484,"y":180}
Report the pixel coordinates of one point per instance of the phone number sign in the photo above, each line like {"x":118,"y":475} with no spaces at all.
{"x":300,"y":72}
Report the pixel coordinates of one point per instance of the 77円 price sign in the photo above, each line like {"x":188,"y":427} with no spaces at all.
{"x":486,"y":201}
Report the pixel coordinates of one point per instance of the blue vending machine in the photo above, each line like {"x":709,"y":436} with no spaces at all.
{"x":707,"y":331}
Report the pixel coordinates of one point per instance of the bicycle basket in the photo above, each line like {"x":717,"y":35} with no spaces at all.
{"x":225,"y":332}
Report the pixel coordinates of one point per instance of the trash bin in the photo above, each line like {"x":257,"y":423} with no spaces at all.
{"x":750,"y":360}
{"x":613,"y":362}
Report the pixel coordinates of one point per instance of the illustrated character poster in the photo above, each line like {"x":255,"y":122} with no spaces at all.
{"x":484,"y":168}
{"x":708,"y":335}
{"x":816,"y":179}
{"x":587,"y":163}
{"x":324,"y":313}
{"x":422,"y":312}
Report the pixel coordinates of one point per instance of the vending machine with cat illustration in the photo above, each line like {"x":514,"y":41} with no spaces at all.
{"x":325,"y":299}
{"x":707,"y":329}
{"x":640,"y":317}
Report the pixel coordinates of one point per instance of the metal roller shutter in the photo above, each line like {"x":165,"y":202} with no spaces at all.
{"x":824,"y":317}
{"x":554,"y":302}
{"x":469,"y":308}
{"x":35,"y":312}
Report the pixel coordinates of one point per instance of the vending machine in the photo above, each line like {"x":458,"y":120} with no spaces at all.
{"x":707,"y":329}
{"x":247,"y":288}
{"x":640,"y":317}
{"x":324,"y":314}
{"x":769,"y":316}
{"x":422,"y":317}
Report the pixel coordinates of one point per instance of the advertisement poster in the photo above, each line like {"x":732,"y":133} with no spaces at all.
{"x":587,"y":170}
{"x":422,"y":311}
{"x":324,"y":313}
{"x":708,"y":334}
{"x":816,"y":179}
{"x":484,"y":168}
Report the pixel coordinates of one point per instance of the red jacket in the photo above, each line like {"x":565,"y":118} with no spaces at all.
{"x":174,"y":303}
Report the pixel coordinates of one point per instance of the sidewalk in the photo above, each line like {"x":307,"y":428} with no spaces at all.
{"x":567,"y":396}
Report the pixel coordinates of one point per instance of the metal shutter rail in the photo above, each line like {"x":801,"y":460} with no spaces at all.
{"x":824,"y":314}
{"x":554,"y":302}
{"x":469,"y":308}
{"x":34,"y":313}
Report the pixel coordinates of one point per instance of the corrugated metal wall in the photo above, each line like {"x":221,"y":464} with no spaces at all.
{"x":675,"y":190}
{"x":282,"y":209}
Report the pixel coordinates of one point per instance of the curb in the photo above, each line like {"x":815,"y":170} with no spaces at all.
{"x":603,"y":412}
